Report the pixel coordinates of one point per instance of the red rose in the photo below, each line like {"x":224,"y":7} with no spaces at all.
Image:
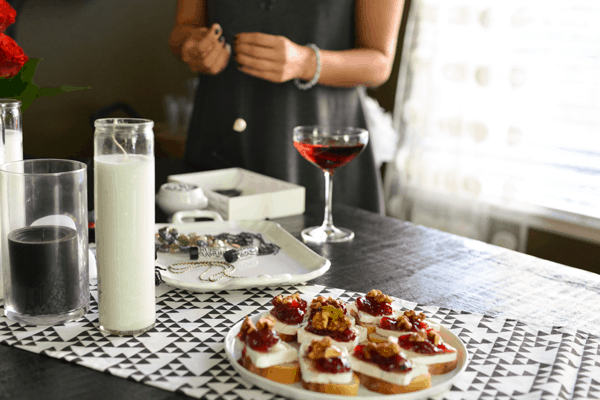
{"x":12,"y":57}
{"x":7,"y":15}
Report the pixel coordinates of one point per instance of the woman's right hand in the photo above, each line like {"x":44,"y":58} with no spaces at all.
{"x":205,"y":50}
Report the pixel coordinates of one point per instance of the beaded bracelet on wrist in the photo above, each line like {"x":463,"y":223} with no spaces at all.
{"x":307,"y":85}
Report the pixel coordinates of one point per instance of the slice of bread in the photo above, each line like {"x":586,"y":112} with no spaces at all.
{"x":443,"y":368}
{"x":288,"y":338}
{"x":285,"y":373}
{"x":380,"y":386}
{"x":348,"y":389}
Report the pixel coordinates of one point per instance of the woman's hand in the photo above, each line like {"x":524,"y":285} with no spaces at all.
{"x":273,"y":58}
{"x":205,"y":50}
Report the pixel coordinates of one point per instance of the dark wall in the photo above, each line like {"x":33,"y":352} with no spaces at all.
{"x":118,"y":47}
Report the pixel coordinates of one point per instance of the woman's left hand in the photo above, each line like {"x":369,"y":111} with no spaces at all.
{"x":273,"y":58}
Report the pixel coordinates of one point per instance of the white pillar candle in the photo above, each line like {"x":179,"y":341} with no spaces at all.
{"x":124,"y":204}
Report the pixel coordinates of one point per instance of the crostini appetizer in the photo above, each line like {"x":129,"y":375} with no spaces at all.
{"x":325,"y":368}
{"x":266,"y":355}
{"x":331,"y":321}
{"x":428,"y":348}
{"x":288,"y":313}
{"x":407,"y":322}
{"x":385,"y":369}
{"x":371,"y":308}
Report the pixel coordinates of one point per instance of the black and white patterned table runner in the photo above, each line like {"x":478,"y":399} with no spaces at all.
{"x":185,"y":352}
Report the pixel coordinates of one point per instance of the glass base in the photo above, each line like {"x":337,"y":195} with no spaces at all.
{"x":55,"y":319}
{"x":319,"y":235}
{"x":125,"y":333}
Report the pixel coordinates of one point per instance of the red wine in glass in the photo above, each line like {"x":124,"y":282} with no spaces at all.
{"x":329,"y":149}
{"x":329,"y":156}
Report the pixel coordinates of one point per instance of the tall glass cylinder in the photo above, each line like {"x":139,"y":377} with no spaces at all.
{"x":12,"y":142}
{"x":10,"y":111}
{"x":45,"y":251}
{"x":124,"y":205}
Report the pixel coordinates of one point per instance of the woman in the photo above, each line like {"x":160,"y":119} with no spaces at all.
{"x":258,"y":61}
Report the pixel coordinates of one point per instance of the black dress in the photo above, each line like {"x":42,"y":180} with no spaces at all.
{"x":273,"y":110}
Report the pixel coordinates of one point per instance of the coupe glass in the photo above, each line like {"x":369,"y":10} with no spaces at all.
{"x":328,"y":149}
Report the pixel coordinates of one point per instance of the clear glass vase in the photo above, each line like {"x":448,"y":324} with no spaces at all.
{"x":44,"y":240}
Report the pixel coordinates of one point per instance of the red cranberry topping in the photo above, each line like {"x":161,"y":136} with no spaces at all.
{"x":262,"y":340}
{"x":341,"y":336}
{"x":334,"y":365}
{"x":395,"y":363}
{"x":372,"y":307}
{"x":425,"y":347}
{"x":391,"y":324}
{"x":291,"y":313}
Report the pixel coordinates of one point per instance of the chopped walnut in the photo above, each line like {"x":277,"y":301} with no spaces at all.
{"x":317,"y":302}
{"x":377,"y":296}
{"x":420,"y":336}
{"x":320,"y":320}
{"x":289,"y":299}
{"x":323,"y":349}
{"x":385,"y":349}
{"x":330,"y":318}
{"x":434,"y":337}
{"x":278,"y":300}
{"x":266,"y":323}
{"x":403,"y":323}
{"x":321,"y":301}
{"x":414,"y":316}
{"x":247,"y":327}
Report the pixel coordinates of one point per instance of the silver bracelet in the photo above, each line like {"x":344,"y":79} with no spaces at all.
{"x":307,"y":85}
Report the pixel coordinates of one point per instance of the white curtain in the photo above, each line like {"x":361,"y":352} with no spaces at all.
{"x":498,"y":110}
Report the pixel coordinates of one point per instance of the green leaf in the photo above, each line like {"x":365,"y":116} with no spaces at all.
{"x":28,"y":70}
{"x":21,"y":86}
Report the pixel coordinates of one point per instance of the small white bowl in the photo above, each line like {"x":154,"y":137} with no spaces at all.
{"x":174,"y":196}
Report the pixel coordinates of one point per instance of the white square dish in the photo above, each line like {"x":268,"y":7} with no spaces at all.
{"x":261,"y":196}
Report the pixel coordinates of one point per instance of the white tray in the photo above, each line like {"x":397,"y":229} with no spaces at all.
{"x":294,"y":263}
{"x":261,"y":196}
{"x":439,"y":383}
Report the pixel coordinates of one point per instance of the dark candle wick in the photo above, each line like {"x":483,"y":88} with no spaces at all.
{"x":43,"y":237}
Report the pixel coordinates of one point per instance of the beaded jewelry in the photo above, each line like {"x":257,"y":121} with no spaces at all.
{"x":169,"y":240}
{"x":307,"y":85}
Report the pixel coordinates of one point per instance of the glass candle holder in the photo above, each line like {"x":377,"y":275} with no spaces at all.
{"x":44,"y":240}
{"x":124,"y":206}
{"x":10,"y":113}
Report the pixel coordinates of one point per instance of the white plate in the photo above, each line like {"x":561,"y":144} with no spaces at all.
{"x":294,"y":263}
{"x":439,"y":383}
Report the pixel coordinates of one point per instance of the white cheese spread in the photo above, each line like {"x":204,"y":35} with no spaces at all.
{"x":311,"y":374}
{"x":280,"y":353}
{"x":282,"y":327}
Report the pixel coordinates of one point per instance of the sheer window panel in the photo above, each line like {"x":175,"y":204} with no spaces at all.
{"x":498,"y":109}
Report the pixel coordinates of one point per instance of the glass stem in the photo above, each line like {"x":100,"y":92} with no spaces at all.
{"x":328,"y":218}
